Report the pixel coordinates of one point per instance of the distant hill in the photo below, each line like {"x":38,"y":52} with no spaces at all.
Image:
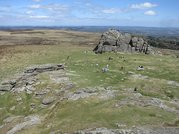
{"x":157,"y":37}
{"x":147,"y":31}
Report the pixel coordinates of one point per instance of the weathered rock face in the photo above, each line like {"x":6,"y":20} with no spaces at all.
{"x":26,"y":80}
{"x":113,"y":40}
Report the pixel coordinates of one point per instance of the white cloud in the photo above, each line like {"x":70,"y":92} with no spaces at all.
{"x":37,"y":0}
{"x":150,"y":13}
{"x":51,"y":7}
{"x":29,"y":12}
{"x":55,"y":7}
{"x":35,"y":6}
{"x":145,"y":5}
{"x":110,"y":11}
{"x":39,"y":17}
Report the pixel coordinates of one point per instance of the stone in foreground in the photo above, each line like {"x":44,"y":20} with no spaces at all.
{"x":47,"y":101}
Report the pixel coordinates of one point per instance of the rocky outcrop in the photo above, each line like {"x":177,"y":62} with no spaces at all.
{"x":113,"y":40}
{"x":98,"y":92}
{"x":138,"y":100}
{"x":28,"y":122}
{"x":44,"y":68}
{"x":130,"y":131}
{"x":25,"y":80}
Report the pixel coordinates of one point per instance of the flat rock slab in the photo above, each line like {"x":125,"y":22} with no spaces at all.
{"x":11,"y":118}
{"x":7,"y":87}
{"x":44,"y":68}
{"x":25,"y":80}
{"x":28,"y":122}
{"x":139,"y":100}
{"x":83,"y":93}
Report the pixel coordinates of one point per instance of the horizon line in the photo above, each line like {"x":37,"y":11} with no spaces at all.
{"x":85,"y":26}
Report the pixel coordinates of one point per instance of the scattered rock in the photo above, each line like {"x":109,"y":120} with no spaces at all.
{"x":12,"y":108}
{"x":40,"y":93}
{"x":32,"y":105}
{"x":48,"y":100}
{"x":138,"y":100}
{"x":140,"y":68}
{"x":118,"y":125}
{"x":105,"y":69}
{"x":103,"y":131}
{"x":130,"y":72}
{"x":130,"y":131}
{"x":174,"y":83}
{"x":19,"y":99}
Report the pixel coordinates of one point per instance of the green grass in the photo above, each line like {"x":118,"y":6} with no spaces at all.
{"x":70,"y":116}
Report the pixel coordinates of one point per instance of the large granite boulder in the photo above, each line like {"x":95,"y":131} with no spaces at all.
{"x":113,"y":40}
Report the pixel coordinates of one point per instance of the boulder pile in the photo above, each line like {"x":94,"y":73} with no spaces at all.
{"x":113,"y":40}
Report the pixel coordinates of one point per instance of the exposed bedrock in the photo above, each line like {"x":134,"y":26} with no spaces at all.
{"x":113,"y":40}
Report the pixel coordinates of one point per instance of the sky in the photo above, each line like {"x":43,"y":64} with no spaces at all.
{"x":148,"y":13}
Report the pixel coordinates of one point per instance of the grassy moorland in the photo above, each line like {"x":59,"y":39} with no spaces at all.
{"x":69,"y":116}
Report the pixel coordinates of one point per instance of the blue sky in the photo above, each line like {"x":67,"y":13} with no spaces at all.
{"x":151,"y":13}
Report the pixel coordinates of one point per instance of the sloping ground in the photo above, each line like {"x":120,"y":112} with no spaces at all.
{"x":54,"y":100}
{"x":47,"y":37}
{"x":81,"y":98}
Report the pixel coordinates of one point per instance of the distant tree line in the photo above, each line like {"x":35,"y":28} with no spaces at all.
{"x":164,"y":42}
